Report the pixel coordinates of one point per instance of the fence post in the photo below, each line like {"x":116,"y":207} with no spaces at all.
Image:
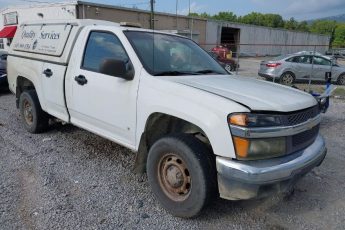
{"x":238,"y":53}
{"x":312,"y":68}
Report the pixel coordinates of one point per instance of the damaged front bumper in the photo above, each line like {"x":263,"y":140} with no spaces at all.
{"x":241,"y":180}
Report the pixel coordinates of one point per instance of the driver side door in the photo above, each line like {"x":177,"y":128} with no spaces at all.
{"x":100,"y":103}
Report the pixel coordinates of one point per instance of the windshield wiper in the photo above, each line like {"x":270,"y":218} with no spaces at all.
{"x":206,"y":71}
{"x":173,"y":73}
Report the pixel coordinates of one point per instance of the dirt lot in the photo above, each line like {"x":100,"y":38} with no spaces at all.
{"x":68,"y":178}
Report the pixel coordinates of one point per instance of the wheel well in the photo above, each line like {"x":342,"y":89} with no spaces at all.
{"x":159,"y":125}
{"x":22,"y":85}
{"x":293,"y":75}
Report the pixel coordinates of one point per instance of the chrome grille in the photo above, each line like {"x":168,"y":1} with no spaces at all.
{"x":301,"y":140}
{"x":305,"y":138}
{"x":301,"y":116}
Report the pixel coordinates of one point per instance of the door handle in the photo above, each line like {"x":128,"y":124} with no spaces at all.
{"x":81,"y":79}
{"x":48,"y":72}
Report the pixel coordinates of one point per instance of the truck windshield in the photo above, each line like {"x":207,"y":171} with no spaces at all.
{"x":170,"y":55}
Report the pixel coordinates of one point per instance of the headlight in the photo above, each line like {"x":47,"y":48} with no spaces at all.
{"x":254,"y":120}
{"x":254,"y":149}
{"x":257,"y":148}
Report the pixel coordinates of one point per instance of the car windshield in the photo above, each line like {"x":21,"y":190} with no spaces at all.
{"x":163,"y":54}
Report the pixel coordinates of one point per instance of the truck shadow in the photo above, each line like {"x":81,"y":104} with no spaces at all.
{"x":92,"y":146}
{"x":272,"y":212}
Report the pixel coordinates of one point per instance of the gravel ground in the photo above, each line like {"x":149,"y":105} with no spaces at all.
{"x":68,"y":178}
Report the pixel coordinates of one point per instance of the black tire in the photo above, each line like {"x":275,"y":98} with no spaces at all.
{"x":34,"y":118}
{"x":197,"y":158}
{"x":287,"y":78}
{"x":235,"y":67}
{"x":341,"y":79}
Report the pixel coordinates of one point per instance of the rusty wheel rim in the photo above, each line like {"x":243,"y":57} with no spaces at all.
{"x":174,"y":177}
{"x":29,"y":119}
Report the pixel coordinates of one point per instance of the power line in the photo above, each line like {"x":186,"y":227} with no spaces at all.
{"x":134,"y":4}
{"x":125,"y":4}
{"x":34,"y":1}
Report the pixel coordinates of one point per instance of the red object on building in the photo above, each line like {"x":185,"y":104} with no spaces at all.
{"x":8,"y":32}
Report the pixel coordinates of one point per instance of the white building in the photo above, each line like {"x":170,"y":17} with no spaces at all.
{"x":11,"y":17}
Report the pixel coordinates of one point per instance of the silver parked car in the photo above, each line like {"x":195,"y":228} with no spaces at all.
{"x":288,"y":68}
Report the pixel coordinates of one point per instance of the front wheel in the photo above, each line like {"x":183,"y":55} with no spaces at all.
{"x":341,"y":80}
{"x":35,"y":119}
{"x":181,"y":174}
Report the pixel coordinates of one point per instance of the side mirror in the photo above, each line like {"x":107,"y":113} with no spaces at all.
{"x":117,"y":68}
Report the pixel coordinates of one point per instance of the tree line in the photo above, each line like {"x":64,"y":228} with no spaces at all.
{"x":335,"y":29}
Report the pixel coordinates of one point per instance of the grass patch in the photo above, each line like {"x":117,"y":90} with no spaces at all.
{"x":339,"y":91}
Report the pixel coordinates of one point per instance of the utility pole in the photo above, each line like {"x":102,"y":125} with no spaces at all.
{"x":190,"y":22}
{"x":189,"y":9}
{"x":176,"y":14}
{"x":152,"y":15}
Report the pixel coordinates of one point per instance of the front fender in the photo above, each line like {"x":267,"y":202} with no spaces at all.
{"x":205,"y":110}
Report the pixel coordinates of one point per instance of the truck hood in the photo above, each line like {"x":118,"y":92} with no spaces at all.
{"x":257,"y":95}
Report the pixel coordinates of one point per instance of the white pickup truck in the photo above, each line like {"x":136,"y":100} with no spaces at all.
{"x":197,"y":131}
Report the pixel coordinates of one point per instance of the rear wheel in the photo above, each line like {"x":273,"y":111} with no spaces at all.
{"x":341,"y":80}
{"x":181,"y":174}
{"x":35,"y":119}
{"x":287,"y":78}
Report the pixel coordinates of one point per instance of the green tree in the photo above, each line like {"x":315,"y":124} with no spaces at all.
{"x":253,"y":18}
{"x":202,"y":15}
{"x":273,"y":20}
{"x":291,"y":24}
{"x":339,"y":36}
{"x":226,"y":16}
{"x":323,"y":27}
{"x":196,"y":15}
{"x":303,"y":26}
{"x":205,"y":15}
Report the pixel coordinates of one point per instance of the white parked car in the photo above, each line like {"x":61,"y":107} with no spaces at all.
{"x":197,"y":131}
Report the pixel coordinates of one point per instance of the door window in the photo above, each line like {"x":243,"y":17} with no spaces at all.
{"x":100,"y":47}
{"x":321,"y":61}
{"x":300,"y":59}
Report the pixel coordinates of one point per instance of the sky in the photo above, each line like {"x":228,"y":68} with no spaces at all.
{"x":299,"y":9}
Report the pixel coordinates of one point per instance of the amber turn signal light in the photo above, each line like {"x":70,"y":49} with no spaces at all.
{"x":241,"y":146}
{"x":238,"y":119}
